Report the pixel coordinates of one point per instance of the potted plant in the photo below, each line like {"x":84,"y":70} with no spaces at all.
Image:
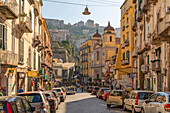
{"x":22,"y":14}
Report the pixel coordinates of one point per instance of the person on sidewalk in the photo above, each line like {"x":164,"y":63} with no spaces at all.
{"x":82,"y":88}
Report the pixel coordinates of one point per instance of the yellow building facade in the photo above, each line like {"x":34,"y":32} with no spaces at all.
{"x":124,"y":61}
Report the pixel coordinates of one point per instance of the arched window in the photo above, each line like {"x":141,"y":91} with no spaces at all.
{"x":110,"y":38}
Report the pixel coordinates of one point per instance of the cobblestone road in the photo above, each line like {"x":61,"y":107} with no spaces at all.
{"x":86,"y":103}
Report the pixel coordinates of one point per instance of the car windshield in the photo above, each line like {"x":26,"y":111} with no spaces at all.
{"x":32,"y":98}
{"x":47,"y":95}
{"x":144,"y":95}
{"x":117,"y":93}
{"x":107,"y":91}
{"x":58,"y":90}
{"x":2,"y":107}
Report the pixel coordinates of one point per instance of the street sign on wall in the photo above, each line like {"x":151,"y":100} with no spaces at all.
{"x":32,"y":73}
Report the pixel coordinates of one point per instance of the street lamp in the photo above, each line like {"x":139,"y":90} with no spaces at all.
{"x":86,"y":11}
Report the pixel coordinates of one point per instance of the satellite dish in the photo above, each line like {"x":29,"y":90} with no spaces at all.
{"x":86,"y":11}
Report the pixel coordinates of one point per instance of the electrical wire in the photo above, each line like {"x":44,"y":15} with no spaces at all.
{"x":102,"y":2}
{"x":70,"y":3}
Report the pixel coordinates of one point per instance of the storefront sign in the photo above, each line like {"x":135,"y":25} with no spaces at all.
{"x":32,"y":73}
{"x":10,"y":71}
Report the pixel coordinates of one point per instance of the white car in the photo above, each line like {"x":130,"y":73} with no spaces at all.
{"x":135,"y":100}
{"x":61,"y":93}
{"x":157,"y":103}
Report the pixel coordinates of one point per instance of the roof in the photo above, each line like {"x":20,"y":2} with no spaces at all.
{"x":123,"y":4}
{"x":109,"y":27}
{"x":97,"y":34}
{"x":141,"y":91}
{"x":5,"y":98}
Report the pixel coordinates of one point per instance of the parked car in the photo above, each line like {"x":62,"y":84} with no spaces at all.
{"x":135,"y":100}
{"x":116,"y":97}
{"x":95,"y":90}
{"x":52,"y":101}
{"x":71,"y":90}
{"x":37,"y":99}
{"x":90,"y":89}
{"x":106,"y":94}
{"x":61,"y":93}
{"x":157,"y":103}
{"x":101,"y":92}
{"x":56,"y":96}
{"x":10,"y":104}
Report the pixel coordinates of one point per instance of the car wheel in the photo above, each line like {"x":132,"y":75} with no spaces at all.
{"x":142,"y":111}
{"x":108,"y":105}
{"x":133,"y":110}
{"x":124,"y":107}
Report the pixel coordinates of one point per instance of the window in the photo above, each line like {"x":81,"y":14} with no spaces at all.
{"x":123,"y":38}
{"x":20,"y":106}
{"x":116,"y":50}
{"x":152,"y":98}
{"x":21,"y":50}
{"x":97,"y":55}
{"x":38,"y":61}
{"x":127,"y":55}
{"x":159,"y":98}
{"x":127,"y":19}
{"x":97,"y":76}
{"x":110,"y":38}
{"x":128,"y":36}
{"x":29,"y":56}
{"x":27,"y":106}
{"x":3,"y":37}
{"x":123,"y":56}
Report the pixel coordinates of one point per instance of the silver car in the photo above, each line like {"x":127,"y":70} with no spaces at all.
{"x":61,"y":93}
{"x":157,"y":103}
{"x":37,"y":99}
{"x":56,"y":96}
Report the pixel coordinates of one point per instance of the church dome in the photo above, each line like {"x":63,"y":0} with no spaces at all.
{"x":109,"y":27}
{"x":97,"y":34}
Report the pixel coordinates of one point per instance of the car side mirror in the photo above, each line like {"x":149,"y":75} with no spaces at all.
{"x":32,"y":108}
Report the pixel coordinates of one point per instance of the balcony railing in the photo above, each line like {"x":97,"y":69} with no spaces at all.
{"x":8,"y":9}
{"x":156,"y":65}
{"x":145,"y":6}
{"x":8,"y":58}
{"x":134,"y":26}
{"x":36,"y":8}
{"x":125,"y":62}
{"x":140,"y":16}
{"x":25,"y":24}
{"x":142,"y":50}
{"x":36,"y":40}
{"x":163,"y":27}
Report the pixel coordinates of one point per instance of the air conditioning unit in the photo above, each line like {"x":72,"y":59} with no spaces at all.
{"x":167,"y":10}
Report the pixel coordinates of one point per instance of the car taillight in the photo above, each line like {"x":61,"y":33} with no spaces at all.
{"x":167,"y":107}
{"x":52,"y":99}
{"x":137,"y":97}
{"x":42,"y":106}
{"x":62,"y":93}
{"x":8,"y":106}
{"x":100,"y":92}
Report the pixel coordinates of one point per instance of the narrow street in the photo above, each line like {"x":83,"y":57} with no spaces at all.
{"x":86,"y":103}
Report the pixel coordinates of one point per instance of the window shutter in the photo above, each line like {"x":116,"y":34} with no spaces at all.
{"x":1,"y":36}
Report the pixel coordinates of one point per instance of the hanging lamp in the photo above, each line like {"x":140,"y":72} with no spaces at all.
{"x":86,"y":11}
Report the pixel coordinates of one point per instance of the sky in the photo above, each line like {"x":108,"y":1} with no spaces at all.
{"x":102,"y":11}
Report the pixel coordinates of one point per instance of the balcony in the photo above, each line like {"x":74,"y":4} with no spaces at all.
{"x":40,"y":47}
{"x":140,"y":16}
{"x":134,"y":26}
{"x":8,"y":58}
{"x":156,"y":65}
{"x":8,"y":9}
{"x":142,"y":50}
{"x":36,"y":8}
{"x":156,"y":40}
{"x":134,"y":54}
{"x":126,"y":43}
{"x":163,"y":27}
{"x":145,"y":6}
{"x":31,"y":2}
{"x":145,"y":68}
{"x":36,"y":40}
{"x":123,"y":28}
{"x":125,"y":62}
{"x":123,"y":45}
{"x":25,"y":24}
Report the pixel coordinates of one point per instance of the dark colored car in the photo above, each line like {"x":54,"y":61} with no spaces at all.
{"x":95,"y":90}
{"x":9,"y":104}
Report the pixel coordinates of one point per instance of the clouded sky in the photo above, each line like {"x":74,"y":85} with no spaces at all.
{"x":106,"y":10}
